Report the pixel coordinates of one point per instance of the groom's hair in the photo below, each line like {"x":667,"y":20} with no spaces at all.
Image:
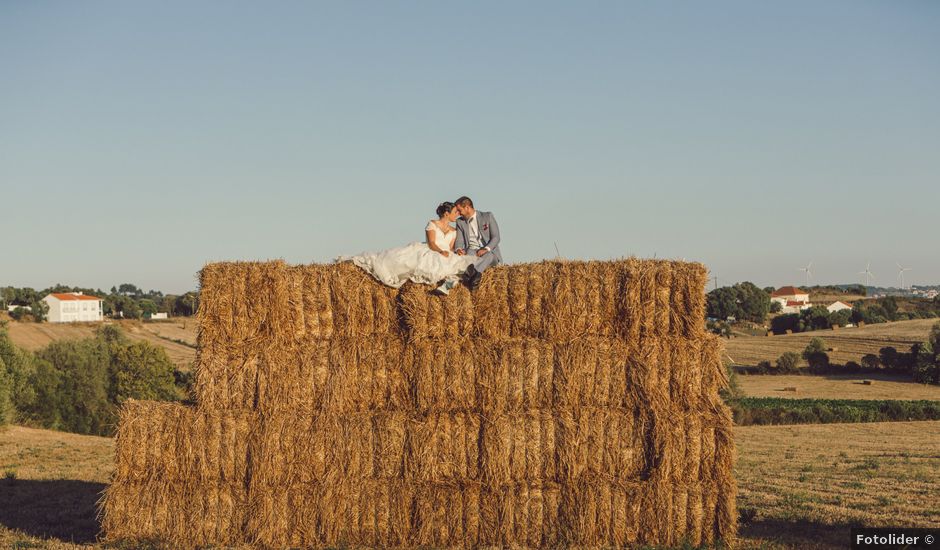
{"x":464,"y":201}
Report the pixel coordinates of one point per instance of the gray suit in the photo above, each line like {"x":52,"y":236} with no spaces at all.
{"x":489,"y":237}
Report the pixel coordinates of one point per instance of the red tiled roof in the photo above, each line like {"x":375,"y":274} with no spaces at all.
{"x":74,"y":296}
{"x":787,"y":291}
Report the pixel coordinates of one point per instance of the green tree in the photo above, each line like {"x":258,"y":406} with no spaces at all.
{"x":775,"y":307}
{"x":39,"y":310}
{"x":753,"y":303}
{"x":143,"y":371}
{"x":722,"y":303}
{"x":890,"y":307}
{"x":147,"y":306}
{"x":782,"y":323}
{"x":82,"y":398}
{"x":840,"y":318}
{"x":814,"y":318}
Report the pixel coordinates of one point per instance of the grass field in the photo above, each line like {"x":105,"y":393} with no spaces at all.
{"x":850,"y":343}
{"x":806,"y":485}
{"x":177,"y":337}
{"x":836,"y":387}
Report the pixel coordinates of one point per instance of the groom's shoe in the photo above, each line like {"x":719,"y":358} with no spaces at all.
{"x":470,"y":273}
{"x":473,"y":278}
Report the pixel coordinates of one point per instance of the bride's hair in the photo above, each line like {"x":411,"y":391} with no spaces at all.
{"x":444,"y":208}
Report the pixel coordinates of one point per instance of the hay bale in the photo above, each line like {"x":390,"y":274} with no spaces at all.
{"x":339,"y":375}
{"x":520,"y":515}
{"x":514,"y":374}
{"x":361,"y":306}
{"x":170,"y":442}
{"x":591,"y":372}
{"x":518,"y":447}
{"x":185,"y":514}
{"x":226,"y":379}
{"x":614,"y":444}
{"x":376,"y":513}
{"x":328,"y":448}
{"x":443,"y":448}
{"x":442,"y":375}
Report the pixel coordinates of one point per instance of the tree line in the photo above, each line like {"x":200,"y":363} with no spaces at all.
{"x":124,"y":301}
{"x":79,"y":385}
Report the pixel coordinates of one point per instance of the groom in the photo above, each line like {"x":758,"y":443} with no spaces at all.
{"x":477,"y":235}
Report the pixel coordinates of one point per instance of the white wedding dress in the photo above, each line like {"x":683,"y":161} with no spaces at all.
{"x":416,"y":262}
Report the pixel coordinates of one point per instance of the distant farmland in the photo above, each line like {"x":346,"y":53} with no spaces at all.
{"x":850,"y":343}
{"x":177,"y":336}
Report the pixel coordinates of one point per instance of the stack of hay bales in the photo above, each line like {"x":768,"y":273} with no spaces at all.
{"x":560,"y":403}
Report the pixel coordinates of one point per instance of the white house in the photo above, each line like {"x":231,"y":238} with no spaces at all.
{"x":838,"y":306}
{"x":791,"y":299}
{"x":72,"y":307}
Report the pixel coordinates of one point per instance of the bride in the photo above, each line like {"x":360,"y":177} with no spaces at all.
{"x":430,"y":262}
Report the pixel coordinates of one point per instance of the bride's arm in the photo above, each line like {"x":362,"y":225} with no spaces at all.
{"x":432,"y":243}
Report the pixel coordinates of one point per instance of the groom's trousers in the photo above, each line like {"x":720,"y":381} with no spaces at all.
{"x":484,"y":261}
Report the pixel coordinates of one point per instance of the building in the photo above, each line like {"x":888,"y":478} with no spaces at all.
{"x":73,"y":307}
{"x":838,"y":306}
{"x":791,"y":299}
{"x":156,"y":316}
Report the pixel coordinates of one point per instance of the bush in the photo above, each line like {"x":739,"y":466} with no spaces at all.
{"x":776,"y":410}
{"x":18,"y":313}
{"x":888,"y":356}
{"x":764,"y":367}
{"x":788,"y":363}
{"x":815,"y":345}
{"x":871,"y":361}
{"x":6,"y":393}
{"x":818,"y":361}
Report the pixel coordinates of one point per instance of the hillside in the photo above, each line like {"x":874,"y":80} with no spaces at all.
{"x":850,"y":343}
{"x":807,"y":484}
{"x":177,"y":336}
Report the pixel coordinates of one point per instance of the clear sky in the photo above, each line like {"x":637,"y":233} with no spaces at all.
{"x":140,"y":140}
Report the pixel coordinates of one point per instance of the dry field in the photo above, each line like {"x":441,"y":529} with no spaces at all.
{"x":836,"y":387}
{"x":850,"y":343}
{"x":806,"y":484}
{"x":809,"y":484}
{"x":168,"y":335}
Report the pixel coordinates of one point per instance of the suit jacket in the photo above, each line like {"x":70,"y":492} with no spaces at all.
{"x":489,"y":233}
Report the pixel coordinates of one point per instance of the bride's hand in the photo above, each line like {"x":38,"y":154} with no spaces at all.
{"x":445,"y":253}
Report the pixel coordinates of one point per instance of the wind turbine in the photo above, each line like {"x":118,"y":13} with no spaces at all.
{"x":868,"y":275}
{"x":809,"y":271}
{"x":901,"y":271}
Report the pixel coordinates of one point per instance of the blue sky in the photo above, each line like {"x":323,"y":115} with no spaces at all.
{"x":139,"y":141}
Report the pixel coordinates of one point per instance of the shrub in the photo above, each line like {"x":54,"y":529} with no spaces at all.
{"x":764,"y":367}
{"x":871,"y":361}
{"x":18,"y":313}
{"x":816,"y":345}
{"x":888,"y":356}
{"x":788,"y":363}
{"x":818,"y":361}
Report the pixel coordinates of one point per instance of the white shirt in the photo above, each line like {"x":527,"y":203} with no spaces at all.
{"x":474,"y":242}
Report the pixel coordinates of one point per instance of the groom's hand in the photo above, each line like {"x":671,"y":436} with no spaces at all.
{"x":460,"y":252}
{"x":482,"y":252}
